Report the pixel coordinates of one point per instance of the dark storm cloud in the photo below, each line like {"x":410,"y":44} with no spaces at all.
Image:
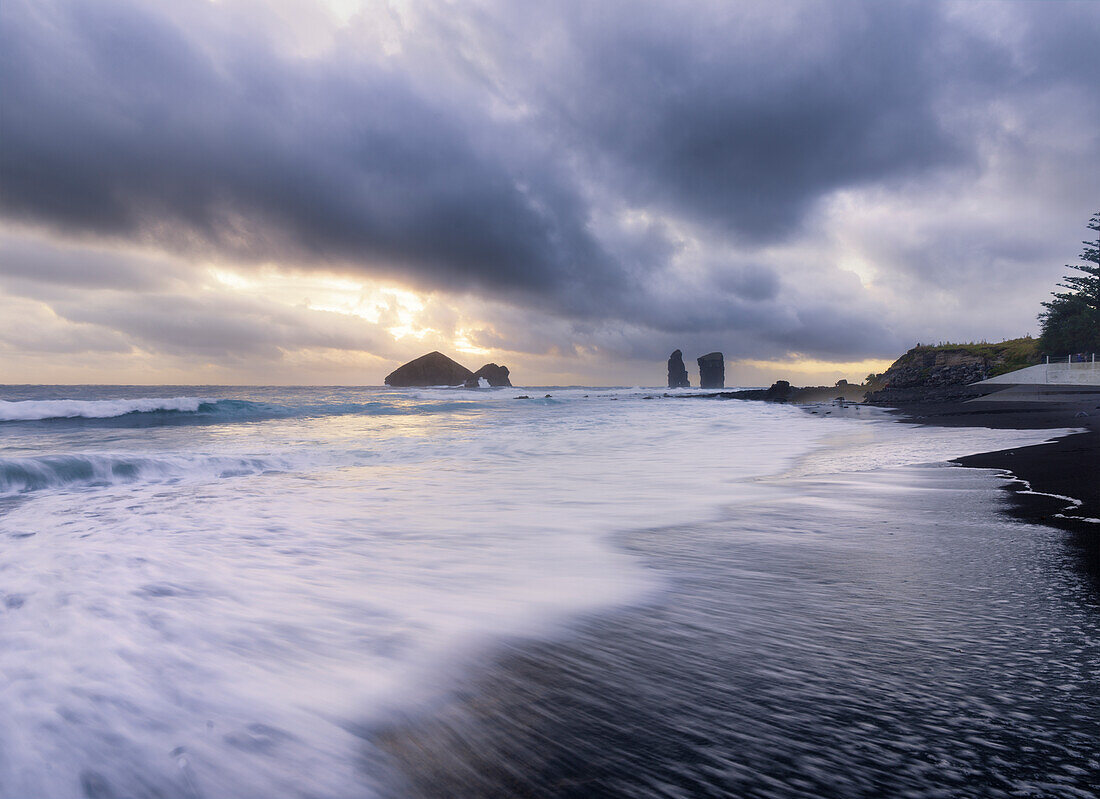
{"x":743,"y":120}
{"x":117,"y":123}
{"x":624,"y":169}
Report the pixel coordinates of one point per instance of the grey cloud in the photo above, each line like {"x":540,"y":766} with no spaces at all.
{"x":27,"y":259}
{"x":697,"y":322}
{"x":216,"y":327}
{"x":31,"y":327}
{"x":753,"y":282}
{"x":67,"y":318}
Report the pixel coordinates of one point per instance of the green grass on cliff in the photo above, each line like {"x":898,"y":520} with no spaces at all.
{"x":1022,"y":348}
{"x":1007,"y":356}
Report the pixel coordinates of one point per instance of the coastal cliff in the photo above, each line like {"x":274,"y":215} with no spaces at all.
{"x":945,"y":372}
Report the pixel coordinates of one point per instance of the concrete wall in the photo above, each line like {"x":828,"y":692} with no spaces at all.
{"x":1050,"y":374}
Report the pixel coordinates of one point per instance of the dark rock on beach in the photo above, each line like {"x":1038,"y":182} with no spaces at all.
{"x":893,"y":397}
{"x":783,"y":391}
{"x":712,"y":370}
{"x":493,"y":374}
{"x":779,"y":391}
{"x":677,"y":372}
{"x":433,"y":369}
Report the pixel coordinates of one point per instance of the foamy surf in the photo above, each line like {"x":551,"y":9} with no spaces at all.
{"x":36,"y":410}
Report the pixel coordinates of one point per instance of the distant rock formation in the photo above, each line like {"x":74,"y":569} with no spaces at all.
{"x":677,"y":372}
{"x":433,"y":369}
{"x":493,"y":374}
{"x":712,"y":370}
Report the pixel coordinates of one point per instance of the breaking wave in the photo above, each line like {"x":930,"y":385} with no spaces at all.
{"x":37,"y":410}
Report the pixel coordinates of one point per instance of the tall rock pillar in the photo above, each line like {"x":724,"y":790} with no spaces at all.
{"x":677,"y":372}
{"x":712,"y":371}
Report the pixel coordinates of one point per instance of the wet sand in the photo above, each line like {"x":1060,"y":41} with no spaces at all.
{"x":1058,"y":483}
{"x":860,"y":635}
{"x":1066,"y":467}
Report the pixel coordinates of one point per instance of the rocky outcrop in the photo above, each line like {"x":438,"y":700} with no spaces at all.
{"x":494,"y":375}
{"x":945,"y":373}
{"x":936,"y":368}
{"x":677,"y":372}
{"x":433,"y":369}
{"x":712,"y":370}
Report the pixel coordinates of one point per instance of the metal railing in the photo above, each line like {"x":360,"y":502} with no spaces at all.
{"x":1081,"y":357}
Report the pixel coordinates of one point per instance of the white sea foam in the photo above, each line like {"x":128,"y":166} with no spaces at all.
{"x":33,"y":410}
{"x":881,"y":443}
{"x":249,"y":628}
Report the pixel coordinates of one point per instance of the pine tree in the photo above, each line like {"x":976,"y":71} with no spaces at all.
{"x":1071,"y":321}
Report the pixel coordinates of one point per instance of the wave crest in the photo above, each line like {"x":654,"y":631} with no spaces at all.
{"x":36,"y":410}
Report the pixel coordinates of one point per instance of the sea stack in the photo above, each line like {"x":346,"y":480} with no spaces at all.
{"x":433,"y":369}
{"x":712,"y":371}
{"x":677,"y":372}
{"x":494,"y":375}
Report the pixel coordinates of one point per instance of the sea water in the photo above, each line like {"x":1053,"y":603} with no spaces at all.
{"x":268,"y":592}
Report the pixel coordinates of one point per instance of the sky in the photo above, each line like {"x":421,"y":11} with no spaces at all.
{"x":243,"y":192}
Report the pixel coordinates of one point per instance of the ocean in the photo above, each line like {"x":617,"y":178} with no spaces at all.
{"x":373,"y":592}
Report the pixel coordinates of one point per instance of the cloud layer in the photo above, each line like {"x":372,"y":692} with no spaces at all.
{"x":581,"y":181}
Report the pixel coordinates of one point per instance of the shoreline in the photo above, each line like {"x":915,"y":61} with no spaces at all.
{"x":757,"y":676}
{"x":1057,"y":482}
